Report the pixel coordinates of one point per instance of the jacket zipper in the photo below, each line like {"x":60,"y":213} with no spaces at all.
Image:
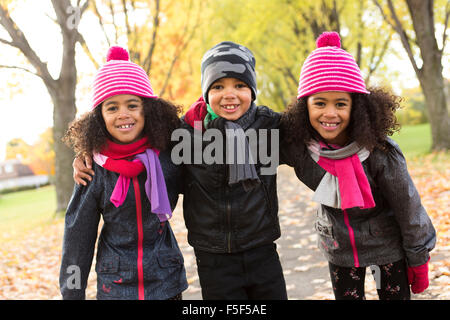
{"x":352,"y":238}
{"x":228,"y":221}
{"x":140,"y":255}
{"x":229,"y":226}
{"x":228,"y":210}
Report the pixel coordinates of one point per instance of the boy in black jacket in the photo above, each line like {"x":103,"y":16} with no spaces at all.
{"x":230,"y":200}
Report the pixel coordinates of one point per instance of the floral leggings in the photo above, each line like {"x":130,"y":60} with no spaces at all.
{"x":391,"y":279}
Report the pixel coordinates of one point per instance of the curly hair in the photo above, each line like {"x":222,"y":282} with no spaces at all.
{"x":372,"y":119}
{"x":88,"y":134}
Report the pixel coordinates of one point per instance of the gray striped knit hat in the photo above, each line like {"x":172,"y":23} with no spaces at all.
{"x":228,"y":60}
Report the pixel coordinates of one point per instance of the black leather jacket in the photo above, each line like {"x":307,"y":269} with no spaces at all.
{"x":221,"y":218}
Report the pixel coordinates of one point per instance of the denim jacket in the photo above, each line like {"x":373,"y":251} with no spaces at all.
{"x":128,"y":267}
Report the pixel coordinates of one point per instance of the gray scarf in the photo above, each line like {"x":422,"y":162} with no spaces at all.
{"x":328,"y":191}
{"x":241,"y":167}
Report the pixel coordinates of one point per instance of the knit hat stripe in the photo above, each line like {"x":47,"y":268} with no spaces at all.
{"x":337,"y":73}
{"x":120,"y":67}
{"x":123,"y":72}
{"x":330,"y":68}
{"x":121,"y":88}
{"x":338,"y":82}
{"x":125,"y":86}
{"x":330,"y":64}
{"x":328,"y":58}
{"x":130,"y":78}
{"x":120,"y":76}
{"x":331,"y":52}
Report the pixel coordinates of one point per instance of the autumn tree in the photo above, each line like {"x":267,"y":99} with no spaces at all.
{"x":42,"y":155}
{"x":158,"y":35}
{"x":282,"y":33}
{"x":17,"y":149}
{"x":61,"y":89}
{"x":420,"y":42}
{"x":39,"y":156}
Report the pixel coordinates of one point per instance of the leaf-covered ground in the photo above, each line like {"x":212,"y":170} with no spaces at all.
{"x":29,"y":266}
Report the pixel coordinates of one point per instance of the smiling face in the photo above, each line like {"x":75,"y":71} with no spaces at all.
{"x":124,"y":117}
{"x":329,"y":114}
{"x":229,"y":98}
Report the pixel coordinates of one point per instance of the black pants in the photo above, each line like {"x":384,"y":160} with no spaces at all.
{"x":255,"y":274}
{"x":391,"y":279}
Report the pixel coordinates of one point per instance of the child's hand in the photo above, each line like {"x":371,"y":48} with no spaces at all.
{"x":418,"y":278}
{"x":82,"y":171}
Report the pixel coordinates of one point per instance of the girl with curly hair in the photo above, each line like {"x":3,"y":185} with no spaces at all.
{"x":126,"y":132}
{"x":370,"y":213}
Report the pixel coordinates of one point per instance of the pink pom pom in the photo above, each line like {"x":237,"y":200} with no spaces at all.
{"x":329,"y":39}
{"x":117,"y":53}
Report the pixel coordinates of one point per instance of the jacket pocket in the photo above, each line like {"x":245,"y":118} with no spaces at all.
{"x":169,"y":270}
{"x":170,"y":259}
{"x":327,"y":239}
{"x":324,"y":229}
{"x":113,"y":278}
{"x":322,"y":225}
{"x":108,"y":265}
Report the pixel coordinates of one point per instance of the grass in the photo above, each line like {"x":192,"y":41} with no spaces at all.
{"x":24,"y":210}
{"x":414,"y":140}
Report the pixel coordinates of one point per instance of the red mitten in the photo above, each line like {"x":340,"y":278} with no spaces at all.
{"x":418,"y":278}
{"x":196,"y":112}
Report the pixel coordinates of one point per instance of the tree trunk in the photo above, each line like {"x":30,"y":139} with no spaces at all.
{"x":432,"y":84}
{"x":430,"y":74}
{"x":61,"y":90}
{"x":63,"y":113}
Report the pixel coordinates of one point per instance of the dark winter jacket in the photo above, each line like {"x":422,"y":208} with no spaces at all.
{"x":223,"y":218}
{"x":127,"y":243}
{"x":397,"y":227}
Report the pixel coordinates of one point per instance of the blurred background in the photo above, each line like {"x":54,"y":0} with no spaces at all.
{"x":50,"y":51}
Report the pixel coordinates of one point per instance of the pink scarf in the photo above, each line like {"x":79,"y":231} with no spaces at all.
{"x":345,"y":164}
{"x":129,"y":161}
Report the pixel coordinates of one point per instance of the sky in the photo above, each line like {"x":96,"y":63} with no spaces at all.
{"x":27,"y":107}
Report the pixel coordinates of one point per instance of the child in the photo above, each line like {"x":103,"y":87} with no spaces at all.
{"x":370,"y":212}
{"x":230,"y":208}
{"x":137,"y":254}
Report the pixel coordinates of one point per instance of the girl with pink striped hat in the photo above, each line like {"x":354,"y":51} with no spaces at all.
{"x":127,"y":132}
{"x":370,"y":213}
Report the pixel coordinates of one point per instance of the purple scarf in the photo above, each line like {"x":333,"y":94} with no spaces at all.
{"x":155,"y":185}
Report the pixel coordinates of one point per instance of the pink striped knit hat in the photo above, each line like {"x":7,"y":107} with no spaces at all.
{"x":120,"y":76}
{"x":330,"y":68}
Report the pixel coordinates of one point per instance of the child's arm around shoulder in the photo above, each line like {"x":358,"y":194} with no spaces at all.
{"x":272,"y":116}
{"x":80,"y":235}
{"x":173,"y":177}
{"x":294,"y":153}
{"x":394,"y":181}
